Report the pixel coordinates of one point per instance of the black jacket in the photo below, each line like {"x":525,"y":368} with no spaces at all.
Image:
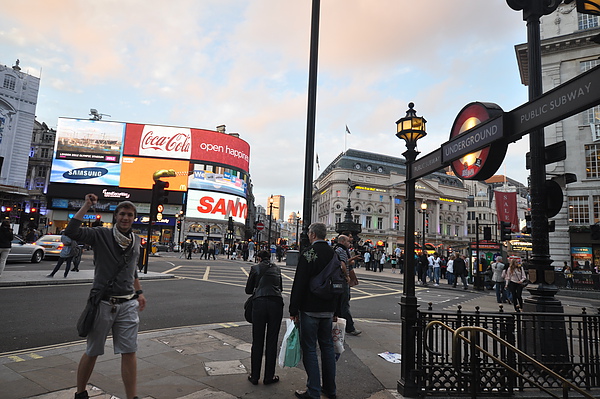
{"x":311,"y":262}
{"x":6,"y":236}
{"x":268,"y":277}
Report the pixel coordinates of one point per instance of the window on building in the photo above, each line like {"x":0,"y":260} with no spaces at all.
{"x":447,"y":229}
{"x":596,"y":201}
{"x":591,"y":117}
{"x":41,"y":171}
{"x":40,"y":184}
{"x":45,"y":152}
{"x":368,"y":222}
{"x":9,"y":82}
{"x":456,"y":230}
{"x":338,"y":217}
{"x":357,"y":219}
{"x":380,"y":223}
{"x":592,"y":161}
{"x":579,"y":212}
{"x":585,"y":21}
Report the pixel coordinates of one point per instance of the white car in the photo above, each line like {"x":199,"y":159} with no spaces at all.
{"x":20,"y":250}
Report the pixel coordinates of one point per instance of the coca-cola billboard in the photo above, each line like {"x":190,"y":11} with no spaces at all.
{"x":158,"y":141}
{"x":185,"y":143}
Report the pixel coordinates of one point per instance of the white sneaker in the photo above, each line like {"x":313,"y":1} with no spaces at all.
{"x":436,"y":285}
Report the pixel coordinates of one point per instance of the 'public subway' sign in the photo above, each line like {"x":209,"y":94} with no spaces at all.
{"x":573,"y":96}
{"x":476,"y":149}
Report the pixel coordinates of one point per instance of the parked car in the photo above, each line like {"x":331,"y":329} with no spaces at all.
{"x":51,"y":243}
{"x":21,"y":250}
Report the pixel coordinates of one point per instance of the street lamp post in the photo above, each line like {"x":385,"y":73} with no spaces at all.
{"x":297,"y":228}
{"x":410,"y":129}
{"x":424,"y":212}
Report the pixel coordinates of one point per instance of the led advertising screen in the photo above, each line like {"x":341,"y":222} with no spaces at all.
{"x":84,"y":172}
{"x":186,"y":143}
{"x":216,"y":206}
{"x":137,"y":172}
{"x":88,"y":140}
{"x":217,"y":178}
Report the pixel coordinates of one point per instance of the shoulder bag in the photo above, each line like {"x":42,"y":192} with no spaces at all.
{"x":249,"y":301}
{"x":88,"y":316}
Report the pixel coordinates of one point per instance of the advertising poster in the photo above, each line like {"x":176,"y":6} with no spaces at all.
{"x":208,"y":177}
{"x":83,"y":172}
{"x":137,"y":172}
{"x":88,"y":140}
{"x":158,"y":141}
{"x":185,"y":143}
{"x":222,"y":148}
{"x":216,"y":206}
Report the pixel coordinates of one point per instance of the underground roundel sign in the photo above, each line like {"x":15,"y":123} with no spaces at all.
{"x":481,"y":164}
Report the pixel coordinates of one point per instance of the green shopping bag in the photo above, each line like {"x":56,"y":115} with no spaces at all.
{"x":292,"y":350}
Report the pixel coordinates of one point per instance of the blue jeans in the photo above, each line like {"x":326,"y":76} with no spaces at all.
{"x":436,"y":275}
{"x":313,"y":330}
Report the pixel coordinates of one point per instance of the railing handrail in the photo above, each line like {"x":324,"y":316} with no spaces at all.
{"x":457,"y":334}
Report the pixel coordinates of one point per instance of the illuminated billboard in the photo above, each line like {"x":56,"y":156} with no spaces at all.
{"x":84,"y":172}
{"x":88,"y":140}
{"x":186,"y":143}
{"x":137,"y":172}
{"x":217,"y":178}
{"x":216,"y":206}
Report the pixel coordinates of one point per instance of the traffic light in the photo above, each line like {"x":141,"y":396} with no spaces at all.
{"x":528,"y":223}
{"x":179,"y":225}
{"x":595,"y":228}
{"x":159,"y":198}
{"x":207,"y":229}
{"x":487,"y":233}
{"x":230,"y":224}
{"x":505,"y":231}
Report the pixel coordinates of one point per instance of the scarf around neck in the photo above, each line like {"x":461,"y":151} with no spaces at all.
{"x":123,"y":240}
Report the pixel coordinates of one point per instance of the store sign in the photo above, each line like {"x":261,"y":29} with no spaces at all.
{"x":381,"y":190}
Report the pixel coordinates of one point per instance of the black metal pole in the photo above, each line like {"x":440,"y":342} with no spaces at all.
{"x":540,"y":270}
{"x":424,"y":217}
{"x":270,"y":219}
{"x":310,"y":123}
{"x":407,"y":385}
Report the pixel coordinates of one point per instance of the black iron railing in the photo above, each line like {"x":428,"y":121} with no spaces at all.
{"x":568,"y":344}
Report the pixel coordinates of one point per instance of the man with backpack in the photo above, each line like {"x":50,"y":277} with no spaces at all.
{"x":315,"y":315}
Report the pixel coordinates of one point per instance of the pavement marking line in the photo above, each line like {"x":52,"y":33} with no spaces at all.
{"x":375,"y":295}
{"x":211,"y":281}
{"x":172,"y":270}
{"x":16,"y":358}
{"x":286,"y":276}
{"x":35,"y":356}
{"x":245,"y":271}
{"x":206,"y":273}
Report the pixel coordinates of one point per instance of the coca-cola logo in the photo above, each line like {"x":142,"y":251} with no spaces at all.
{"x":178,"y":142}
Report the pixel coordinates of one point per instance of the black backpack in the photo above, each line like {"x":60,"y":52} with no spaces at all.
{"x":330,"y":281}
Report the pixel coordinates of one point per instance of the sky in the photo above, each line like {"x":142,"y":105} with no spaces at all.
{"x":244,"y":64}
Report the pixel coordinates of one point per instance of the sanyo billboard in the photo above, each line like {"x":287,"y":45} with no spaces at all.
{"x":216,"y":206}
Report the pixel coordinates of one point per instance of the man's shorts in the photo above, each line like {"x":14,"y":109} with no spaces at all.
{"x":123,"y":323}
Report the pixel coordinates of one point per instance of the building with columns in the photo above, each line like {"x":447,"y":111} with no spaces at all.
{"x":375,"y":185}
{"x":570,"y":47}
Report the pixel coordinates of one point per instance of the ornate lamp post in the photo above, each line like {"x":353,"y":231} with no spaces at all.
{"x":410,"y":129}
